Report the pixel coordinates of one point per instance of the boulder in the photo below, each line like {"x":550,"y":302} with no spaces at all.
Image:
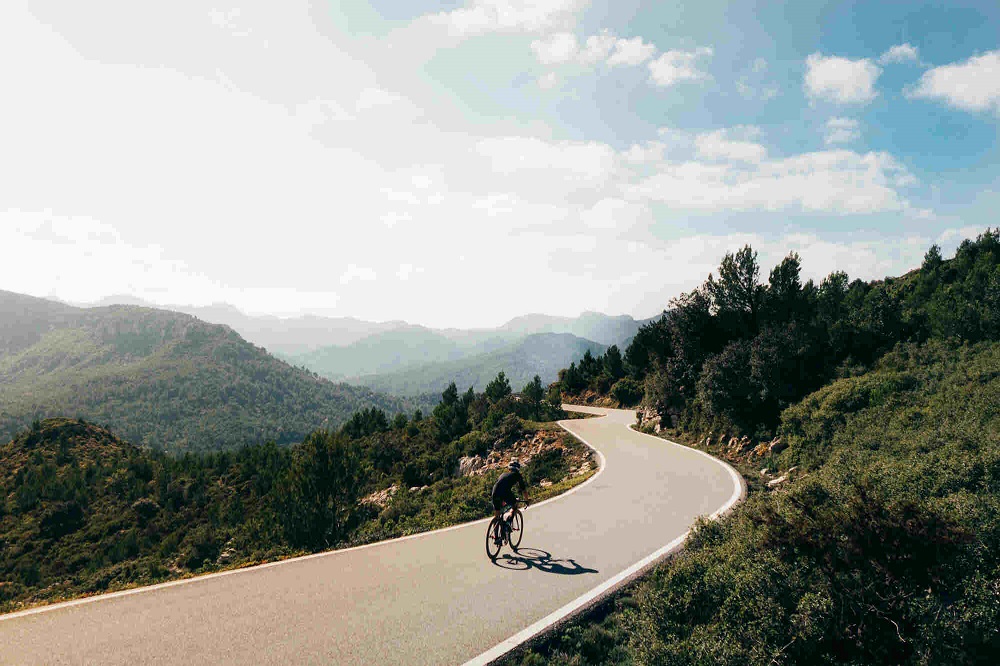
{"x":469,"y":464}
{"x":774,"y":483}
{"x":777,"y":446}
{"x":380,"y":498}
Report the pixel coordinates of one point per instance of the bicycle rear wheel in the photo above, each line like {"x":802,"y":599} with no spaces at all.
{"x":516,"y":529}
{"x":493,"y":543}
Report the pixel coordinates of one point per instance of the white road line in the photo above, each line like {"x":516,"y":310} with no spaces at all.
{"x":257,"y":567}
{"x":502,"y":648}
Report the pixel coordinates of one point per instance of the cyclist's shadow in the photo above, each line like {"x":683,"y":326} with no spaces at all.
{"x":535,"y":558}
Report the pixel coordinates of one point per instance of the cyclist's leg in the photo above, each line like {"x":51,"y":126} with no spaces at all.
{"x":497,"y":512}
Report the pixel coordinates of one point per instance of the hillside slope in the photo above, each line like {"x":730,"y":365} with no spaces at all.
{"x":160,"y":378}
{"x":542,"y":354}
{"x":382,"y":352}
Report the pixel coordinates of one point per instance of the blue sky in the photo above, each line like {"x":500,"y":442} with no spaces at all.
{"x":364,"y":158}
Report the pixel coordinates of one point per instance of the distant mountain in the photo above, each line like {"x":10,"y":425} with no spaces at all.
{"x":163,"y":379}
{"x":607,"y":330}
{"x":346,"y":348}
{"x":283,"y":336}
{"x":542,"y":354}
{"x":382,"y":352}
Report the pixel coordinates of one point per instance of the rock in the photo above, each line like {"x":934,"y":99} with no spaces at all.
{"x":763,"y":471}
{"x":469,"y":464}
{"x":774,"y":483}
{"x":545,"y":483}
{"x":226,"y":556}
{"x":380,"y":498}
{"x":648,"y":416}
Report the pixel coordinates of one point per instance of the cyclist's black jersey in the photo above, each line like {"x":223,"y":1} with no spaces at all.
{"x":504,"y":486}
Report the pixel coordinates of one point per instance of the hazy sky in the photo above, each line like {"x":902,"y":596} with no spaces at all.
{"x":459,"y":163}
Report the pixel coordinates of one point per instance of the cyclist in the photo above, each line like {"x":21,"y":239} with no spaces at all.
{"x":503,"y":489}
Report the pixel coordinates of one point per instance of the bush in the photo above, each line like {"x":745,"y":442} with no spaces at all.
{"x":628,"y":392}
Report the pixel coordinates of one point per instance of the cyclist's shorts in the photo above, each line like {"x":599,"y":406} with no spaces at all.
{"x":500,"y":500}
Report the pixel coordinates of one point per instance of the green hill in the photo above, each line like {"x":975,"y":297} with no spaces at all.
{"x":865,"y":417}
{"x":540,"y":354}
{"x":382,"y":352}
{"x":162,"y":379}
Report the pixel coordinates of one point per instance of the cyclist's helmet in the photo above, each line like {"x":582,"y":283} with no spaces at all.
{"x":514,"y":465}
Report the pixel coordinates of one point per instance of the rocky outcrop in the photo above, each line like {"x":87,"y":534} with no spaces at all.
{"x":467,"y":465}
{"x":646,"y":417}
{"x":381,"y":498}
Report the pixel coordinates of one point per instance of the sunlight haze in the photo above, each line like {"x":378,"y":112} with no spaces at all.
{"x":461,"y":163}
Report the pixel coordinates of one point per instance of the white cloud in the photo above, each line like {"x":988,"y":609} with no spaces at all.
{"x":972,"y":85}
{"x":179,"y":172}
{"x":841,"y":130}
{"x":556,"y":49}
{"x":596,"y":48}
{"x":560,"y":48}
{"x":677,"y":66}
{"x":841,"y":80}
{"x":898,"y":54}
{"x":838,"y":182}
{"x":512,"y":16}
{"x":548,"y":81}
{"x":631,"y":52}
{"x":354,"y":272}
{"x":576,"y":163}
{"x":720,"y":145}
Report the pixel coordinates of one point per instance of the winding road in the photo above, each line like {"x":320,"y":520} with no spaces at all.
{"x":434,"y":598}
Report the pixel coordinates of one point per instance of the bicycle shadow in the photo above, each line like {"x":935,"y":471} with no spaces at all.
{"x":536,"y":558}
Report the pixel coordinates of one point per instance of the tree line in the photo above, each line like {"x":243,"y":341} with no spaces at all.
{"x":735,"y":352}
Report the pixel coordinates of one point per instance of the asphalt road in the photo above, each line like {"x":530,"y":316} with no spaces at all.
{"x":431,"y":599}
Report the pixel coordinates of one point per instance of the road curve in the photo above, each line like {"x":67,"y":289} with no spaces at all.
{"x":434,"y":598}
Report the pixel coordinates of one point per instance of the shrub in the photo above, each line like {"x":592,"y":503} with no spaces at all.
{"x":628,"y":392}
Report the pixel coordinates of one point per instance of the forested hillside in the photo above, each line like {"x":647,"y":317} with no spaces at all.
{"x":871,"y":531}
{"x":161,"y":379}
{"x":82,"y":511}
{"x":540,"y":354}
{"x":732,"y":354}
{"x":383,"y":352}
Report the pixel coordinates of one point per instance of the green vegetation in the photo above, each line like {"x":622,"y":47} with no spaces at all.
{"x":83,"y":512}
{"x":884,"y":546}
{"x":383,"y":352}
{"x":539,"y":354}
{"x":161,"y":379}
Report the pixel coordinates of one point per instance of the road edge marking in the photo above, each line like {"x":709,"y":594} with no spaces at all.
{"x":62,"y":605}
{"x":533,"y":630}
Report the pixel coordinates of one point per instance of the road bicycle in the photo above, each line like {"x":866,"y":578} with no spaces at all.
{"x":508,"y":530}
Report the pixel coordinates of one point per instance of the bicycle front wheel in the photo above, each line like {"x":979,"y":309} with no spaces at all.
{"x":493,"y":542}
{"x":516,"y":529}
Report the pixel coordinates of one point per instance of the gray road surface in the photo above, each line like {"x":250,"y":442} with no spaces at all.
{"x":433,"y":599}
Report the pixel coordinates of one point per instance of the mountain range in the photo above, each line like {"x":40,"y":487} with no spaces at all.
{"x":542,"y":354}
{"x":163,"y":379}
{"x":409,"y":360}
